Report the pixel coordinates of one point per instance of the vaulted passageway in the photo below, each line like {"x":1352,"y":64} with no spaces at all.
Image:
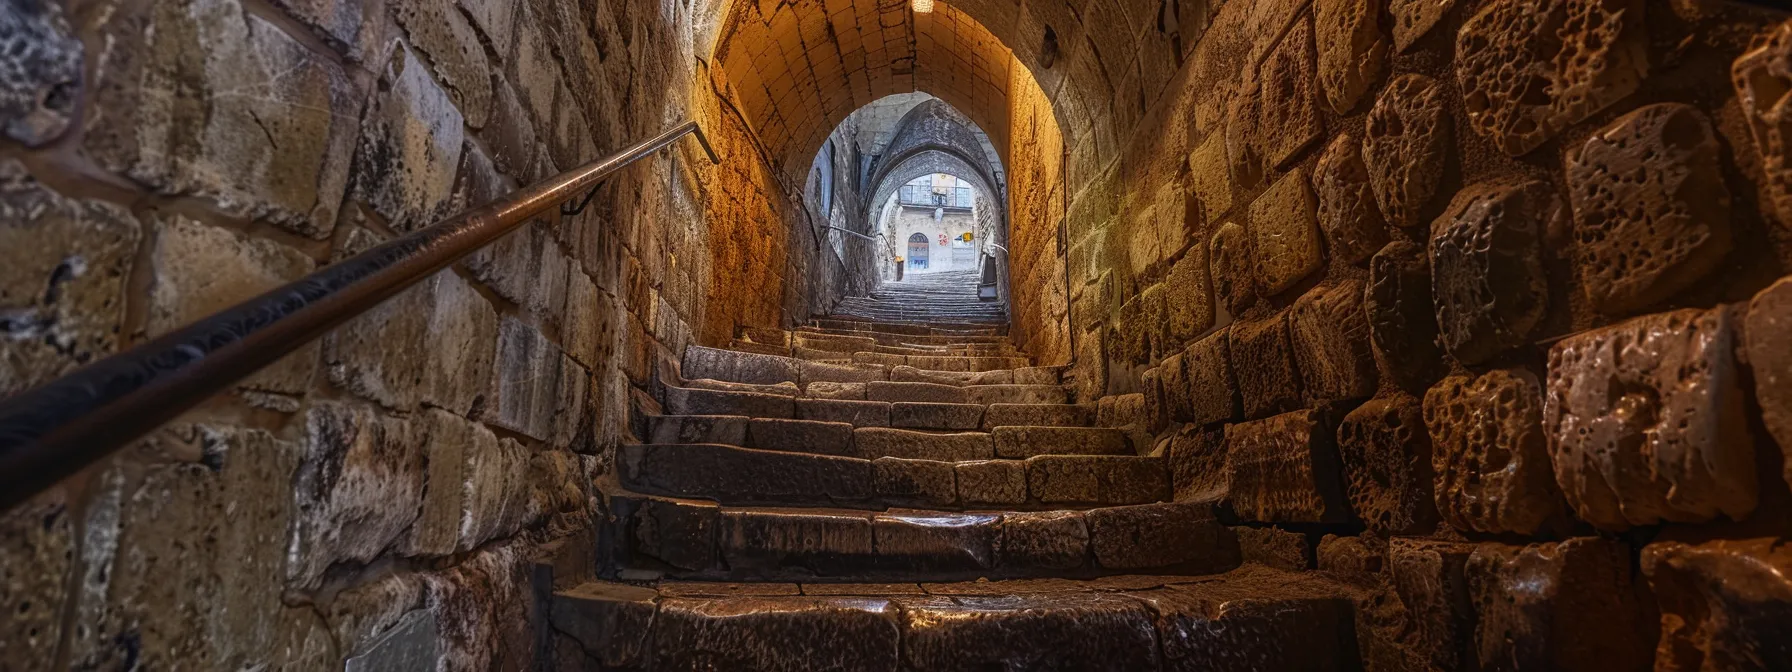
{"x":1235,"y":335}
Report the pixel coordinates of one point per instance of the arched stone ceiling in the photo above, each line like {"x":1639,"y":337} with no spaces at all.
{"x":798,"y":67}
{"x":935,"y":125}
{"x":929,"y":162}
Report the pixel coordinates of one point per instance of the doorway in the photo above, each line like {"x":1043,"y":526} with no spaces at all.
{"x":917,"y":251}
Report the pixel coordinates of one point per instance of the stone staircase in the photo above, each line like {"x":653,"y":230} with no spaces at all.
{"x":865,"y":494}
{"x":926,"y":298}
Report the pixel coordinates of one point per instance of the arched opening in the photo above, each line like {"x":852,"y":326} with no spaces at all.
{"x":917,"y":252}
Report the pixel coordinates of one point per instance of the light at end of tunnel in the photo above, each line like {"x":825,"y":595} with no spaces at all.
{"x":923,"y":6}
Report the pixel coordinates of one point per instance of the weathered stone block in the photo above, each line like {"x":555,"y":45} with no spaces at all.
{"x":1530,"y":68}
{"x":1487,"y":267}
{"x":739,"y":367}
{"x":1414,"y":18}
{"x":878,"y":390}
{"x":1351,"y":50}
{"x":448,"y":445}
{"x":42,"y":70}
{"x":201,"y":270}
{"x":1329,"y":331}
{"x":855,"y":413}
{"x":189,"y":97}
{"x":1183,"y":536}
{"x":935,"y":543}
{"x":37,"y":552}
{"x":763,"y":541}
{"x":799,"y":436}
{"x":1043,"y":540}
{"x":1211,"y":179}
{"x":1285,"y":469}
{"x":1386,"y":454}
{"x":1270,"y":621}
{"x":1198,"y":466}
{"x":730,"y":474}
{"x":1025,"y":442}
{"x":1347,"y":211}
{"x":915,"y":482}
{"x":1070,"y":631}
{"x":610,"y":623}
{"x":1402,"y":319}
{"x":1646,"y":422}
{"x":410,"y":146}
{"x":528,"y":372}
{"x":849,"y":391}
{"x":1406,"y":142}
{"x":992,"y":482}
{"x":63,"y":268}
{"x":875,"y":442}
{"x":1723,"y":604}
{"x":1284,"y":234}
{"x":923,"y":415}
{"x":1097,"y":479}
{"x":1489,"y":453}
{"x":498,"y":491}
{"x":776,"y":633}
{"x":1430,"y":580}
{"x":1264,"y":358}
{"x":1290,"y":93}
{"x":1556,"y":606}
{"x":357,"y":491}
{"x":509,"y":133}
{"x":1273,"y":547}
{"x":674,"y":429}
{"x":1188,"y":298}
{"x":1768,"y":337}
{"x":1651,"y":212}
{"x":1209,"y":386}
{"x":680,"y":534}
{"x":1761,"y":77}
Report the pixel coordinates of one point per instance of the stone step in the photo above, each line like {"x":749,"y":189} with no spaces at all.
{"x":963,"y":364}
{"x":735,"y":475}
{"x":908,"y":339}
{"x":908,"y":442}
{"x":759,"y":348}
{"x":1031,"y":375}
{"x":1252,"y":618}
{"x":931,"y":328}
{"x":1039,"y":415}
{"x":699,"y":540}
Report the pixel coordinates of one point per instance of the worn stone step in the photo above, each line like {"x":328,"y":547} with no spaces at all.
{"x":929,"y":392}
{"x":1017,"y":394}
{"x":826,"y":372}
{"x":735,"y":475}
{"x":911,"y":329}
{"x":737,"y":367}
{"x":786,"y":435}
{"x":834,"y":343}
{"x":931,"y":415}
{"x":1039,"y":415}
{"x":906,"y":339}
{"x":700,"y":540}
{"x":1021,"y":442}
{"x":692,"y":401}
{"x":855,"y":413}
{"x":1252,"y":618}
{"x":760,"y":348}
{"x":875,"y":442}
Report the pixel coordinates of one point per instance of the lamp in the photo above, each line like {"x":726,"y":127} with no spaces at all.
{"x":923,"y":6}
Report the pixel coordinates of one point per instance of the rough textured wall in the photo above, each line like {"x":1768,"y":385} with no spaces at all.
{"x":1486,"y":277}
{"x":164,"y":159}
{"x":1038,"y":302}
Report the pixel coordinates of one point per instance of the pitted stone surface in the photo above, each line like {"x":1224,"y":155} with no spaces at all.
{"x":1234,"y":268}
{"x":915,"y":482}
{"x":935,"y":543}
{"x":40,"y":74}
{"x":1646,"y":422}
{"x":36,"y":557}
{"x":733,"y":474}
{"x":875,"y":442}
{"x":1174,"y":535}
{"x":927,"y":415}
{"x":1266,"y":620}
{"x":1763,"y":78}
{"x":1402,"y":319}
{"x":1651,"y":212}
{"x":739,"y":367}
{"x":797,"y":436}
{"x":1330,"y":334}
{"x":1489,"y":453}
{"x":1487,"y":268}
{"x":776,"y":633}
{"x":1043,"y":540}
{"x":1725,"y":604}
{"x":992,"y":482}
{"x":1211,"y":178}
{"x":1429,"y":578}
{"x":1351,"y":50}
{"x":1284,"y":234}
{"x":1097,"y":479}
{"x":1556,"y":606}
{"x":1188,"y":298}
{"x":1407,"y":138}
{"x":1198,"y":466}
{"x":84,"y":251}
{"x":1414,"y":18}
{"x":1347,"y":211}
{"x":1264,"y":357}
{"x":1290,"y":97}
{"x":1386,"y":453}
{"x":1530,"y":68}
{"x":1069,"y":631}
{"x":359,"y":489}
{"x":1768,"y":337}
{"x":1285,"y":469}
{"x":763,"y":541}
{"x":1211,"y":389}
{"x":1273,"y":547}
{"x":1025,"y":442}
{"x":177,"y":120}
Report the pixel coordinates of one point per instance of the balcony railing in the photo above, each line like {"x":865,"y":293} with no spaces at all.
{"x":936,"y":197}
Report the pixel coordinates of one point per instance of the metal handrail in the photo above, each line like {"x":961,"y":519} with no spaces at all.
{"x":53,"y":431}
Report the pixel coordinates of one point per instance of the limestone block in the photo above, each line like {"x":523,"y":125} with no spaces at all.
{"x":1290,"y":93}
{"x":1351,"y":50}
{"x":1030,"y":632}
{"x":875,"y":442}
{"x":935,"y":543}
{"x":1188,"y":298}
{"x":1347,"y":210}
{"x":1723,"y":604}
{"x":204,"y":98}
{"x":1284,"y":469}
{"x":509,"y":132}
{"x":1330,"y":333}
{"x":1429,"y":576}
{"x":41,"y":74}
{"x":338,"y":22}
{"x":498,"y":491}
{"x":1414,"y":18}
{"x":448,"y":439}
{"x":1211,"y":179}
{"x":1646,"y":421}
{"x":1402,"y":318}
{"x":680,"y":534}
{"x":495,"y":18}
{"x":1198,"y":466}
{"x":1234,"y":268}
{"x":1489,"y":453}
{"x":767,"y":541}
{"x":356,"y":492}
{"x":915,"y":482}
{"x":992,"y":482}
{"x":532,"y":68}
{"x":527,"y":377}
{"x":1180,"y":535}
{"x":440,"y":31}
{"x":1043,"y":540}
{"x":1651,"y":212}
{"x":1209,"y":384}
{"x":525,"y":267}
{"x":1556,"y":606}
{"x":776,"y":633}
{"x":482,"y":610}
{"x":1529,"y":68}
{"x":732,"y":474}
{"x":200,"y":270}
{"x":1768,"y":337}
{"x":797,"y":436}
{"x":1406,"y":141}
{"x":37,"y":552}
{"x":1762,"y":77}
{"x":63,"y":268}
{"x":1273,"y":547}
{"x":187,"y":566}
{"x":1386,"y":454}
{"x":1097,"y":479}
{"x":1358,"y":560}
{"x":1284,"y":234}
{"x":1276,"y":624}
{"x":1263,"y":357}
{"x":1487,"y":272}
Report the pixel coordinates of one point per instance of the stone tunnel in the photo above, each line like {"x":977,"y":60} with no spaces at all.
{"x":1129,"y":335}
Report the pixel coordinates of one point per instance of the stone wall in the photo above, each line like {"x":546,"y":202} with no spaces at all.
{"x":1036,"y":191}
{"x":164,"y":159}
